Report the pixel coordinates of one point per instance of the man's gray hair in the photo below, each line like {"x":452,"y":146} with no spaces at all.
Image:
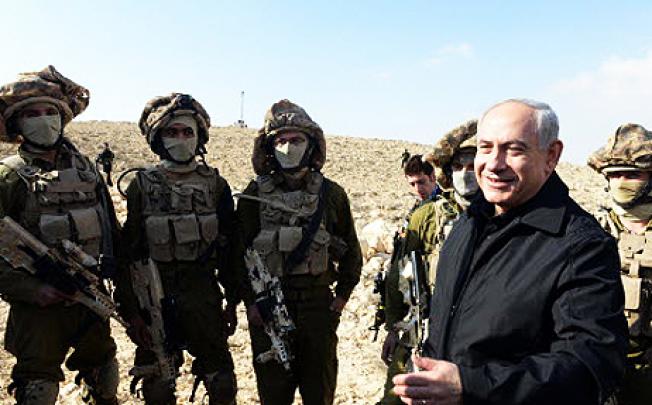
{"x":546,"y":123}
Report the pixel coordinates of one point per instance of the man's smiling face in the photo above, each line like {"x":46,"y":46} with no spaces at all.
{"x":510,"y":165}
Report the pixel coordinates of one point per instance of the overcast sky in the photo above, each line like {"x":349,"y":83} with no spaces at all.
{"x":384,"y":69}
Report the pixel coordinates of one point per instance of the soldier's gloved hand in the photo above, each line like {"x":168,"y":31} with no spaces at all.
{"x":47,"y":295}
{"x":138,"y":332}
{"x":253,"y":316}
{"x":338,"y":305}
{"x":231,"y":319}
{"x":389,"y":346}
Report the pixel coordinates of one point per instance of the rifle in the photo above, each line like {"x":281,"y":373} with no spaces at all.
{"x":66,"y":267}
{"x":271,"y":305}
{"x":416,"y":323}
{"x":379,"y":316}
{"x":148,"y":288}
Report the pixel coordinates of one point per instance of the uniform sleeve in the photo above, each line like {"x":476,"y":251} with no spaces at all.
{"x":231,"y":263}
{"x":131,"y":248}
{"x":248,"y":226}
{"x":586,"y":359}
{"x":350,"y":265}
{"x":15,"y":285}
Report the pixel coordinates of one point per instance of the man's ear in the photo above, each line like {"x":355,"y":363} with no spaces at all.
{"x":553,"y":154}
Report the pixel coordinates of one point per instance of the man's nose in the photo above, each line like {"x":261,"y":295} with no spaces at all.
{"x":495,"y":161}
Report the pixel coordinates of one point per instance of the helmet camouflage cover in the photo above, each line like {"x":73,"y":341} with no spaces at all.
{"x":46,"y":86}
{"x":281,"y":117}
{"x":629,"y":147}
{"x":462,"y":137}
{"x":159,"y":111}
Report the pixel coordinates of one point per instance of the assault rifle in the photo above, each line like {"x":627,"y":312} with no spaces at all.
{"x":415,"y":324}
{"x":271,"y":305}
{"x":148,"y":288}
{"x":66,"y":267}
{"x":379,"y":316}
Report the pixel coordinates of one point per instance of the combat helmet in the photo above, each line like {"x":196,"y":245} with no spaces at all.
{"x":629,"y":148}
{"x":46,"y":86}
{"x":286,"y":116}
{"x":462,"y":137}
{"x":159,"y":111}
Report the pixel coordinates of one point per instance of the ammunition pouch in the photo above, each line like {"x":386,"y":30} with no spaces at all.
{"x":275,"y":245}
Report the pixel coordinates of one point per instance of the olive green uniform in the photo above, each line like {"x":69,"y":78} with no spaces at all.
{"x":185,"y":223}
{"x":307,"y":295}
{"x":427,"y":228}
{"x":637,"y":384}
{"x":39,"y":337}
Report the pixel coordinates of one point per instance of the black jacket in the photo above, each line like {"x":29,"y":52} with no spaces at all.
{"x":529,"y":304}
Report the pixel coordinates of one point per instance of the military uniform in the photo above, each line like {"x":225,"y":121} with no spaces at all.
{"x":630,"y":148}
{"x":333,"y":256}
{"x":426,"y":231}
{"x":183,"y":219}
{"x":64,"y":199}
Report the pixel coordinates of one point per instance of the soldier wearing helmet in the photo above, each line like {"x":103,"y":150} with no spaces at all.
{"x":310,"y":245}
{"x":426,"y":229}
{"x":181,"y":215}
{"x":626,"y":163}
{"x":56,"y":193}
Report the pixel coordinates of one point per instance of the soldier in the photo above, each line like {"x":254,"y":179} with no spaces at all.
{"x":56,"y":193}
{"x":181,"y":215}
{"x":626,"y":163}
{"x":310,"y":249}
{"x":427,"y":228}
{"x":404,"y":158}
{"x":105,"y":158}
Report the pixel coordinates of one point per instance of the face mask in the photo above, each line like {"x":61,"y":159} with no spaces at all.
{"x":640,"y":212}
{"x":624,"y":192}
{"x":181,"y":149}
{"x":465,"y":183}
{"x":289,"y":155}
{"x":44,"y":130}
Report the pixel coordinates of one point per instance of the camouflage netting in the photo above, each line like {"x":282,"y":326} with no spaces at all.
{"x":631,"y":146}
{"x":46,"y":86}
{"x":462,"y":137}
{"x":286,"y":116}
{"x":159,"y":111}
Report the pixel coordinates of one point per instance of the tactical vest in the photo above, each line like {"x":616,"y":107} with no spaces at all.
{"x":62,"y":203}
{"x":282,"y":231}
{"x":636,"y":274}
{"x":180,"y":212}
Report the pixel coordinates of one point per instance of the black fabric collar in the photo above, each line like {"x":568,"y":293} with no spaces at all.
{"x":544,"y":211}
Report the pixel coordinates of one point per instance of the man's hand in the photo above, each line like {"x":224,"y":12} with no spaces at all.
{"x":47,"y":295}
{"x":253,"y":316}
{"x":338,"y":305}
{"x":138,"y":332}
{"x":231,"y":319}
{"x":439,"y":383}
{"x":389,"y":346}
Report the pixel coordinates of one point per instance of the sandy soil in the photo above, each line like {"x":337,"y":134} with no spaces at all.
{"x":368,"y":169}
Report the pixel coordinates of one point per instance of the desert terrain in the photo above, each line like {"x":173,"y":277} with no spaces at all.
{"x":370,"y":172}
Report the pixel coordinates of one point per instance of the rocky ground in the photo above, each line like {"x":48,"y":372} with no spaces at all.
{"x":368,"y":169}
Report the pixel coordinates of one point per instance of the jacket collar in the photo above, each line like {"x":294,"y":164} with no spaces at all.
{"x":544,"y":211}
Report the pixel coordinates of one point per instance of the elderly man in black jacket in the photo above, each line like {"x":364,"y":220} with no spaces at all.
{"x":528,"y":303}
